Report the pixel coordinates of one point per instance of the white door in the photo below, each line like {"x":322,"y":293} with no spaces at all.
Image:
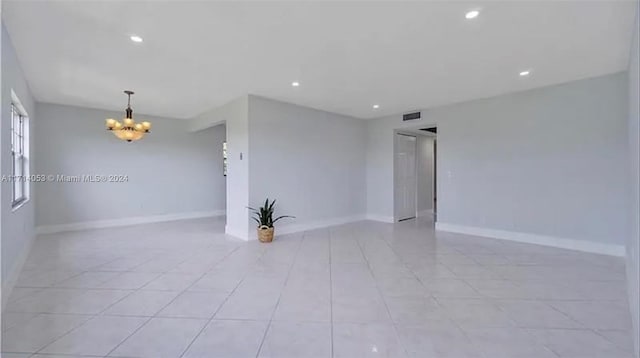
{"x":406,"y":181}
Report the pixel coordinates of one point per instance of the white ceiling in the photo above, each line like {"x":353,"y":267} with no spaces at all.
{"x":197,"y":55}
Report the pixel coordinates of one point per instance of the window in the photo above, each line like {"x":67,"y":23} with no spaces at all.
{"x":224,"y":158}
{"x":19,"y":154}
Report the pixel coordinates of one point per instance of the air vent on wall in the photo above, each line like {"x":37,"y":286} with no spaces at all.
{"x":411,"y":116}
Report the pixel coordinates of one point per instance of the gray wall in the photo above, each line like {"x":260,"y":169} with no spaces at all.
{"x":170,"y":171}
{"x":17,"y":227}
{"x":633,"y":250}
{"x":550,"y":161}
{"x":311,"y":161}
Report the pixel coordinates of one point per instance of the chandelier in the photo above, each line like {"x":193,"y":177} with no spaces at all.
{"x":128,"y":130}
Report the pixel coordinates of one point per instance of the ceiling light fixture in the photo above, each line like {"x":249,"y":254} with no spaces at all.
{"x":525,"y":73}
{"x":136,"y":38}
{"x":295,"y":84}
{"x":376,"y":106}
{"x":472,"y":14}
{"x":128,"y":130}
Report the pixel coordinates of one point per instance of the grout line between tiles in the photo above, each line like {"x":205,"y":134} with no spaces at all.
{"x":363,"y":245}
{"x":101,"y":313}
{"x":266,"y":331}
{"x":221,"y":304}
{"x":393,"y":324}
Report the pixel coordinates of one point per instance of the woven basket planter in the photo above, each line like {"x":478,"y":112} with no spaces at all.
{"x":265,"y":233}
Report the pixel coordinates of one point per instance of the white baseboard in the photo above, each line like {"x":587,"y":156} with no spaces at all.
{"x":381,"y":218}
{"x":560,"y":242}
{"x":15,"y":272}
{"x":101,"y":224}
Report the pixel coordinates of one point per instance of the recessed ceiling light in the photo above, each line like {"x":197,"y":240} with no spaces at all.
{"x":376,"y":106}
{"x":525,"y":73}
{"x":472,"y":14}
{"x":136,"y":38}
{"x":295,"y":84}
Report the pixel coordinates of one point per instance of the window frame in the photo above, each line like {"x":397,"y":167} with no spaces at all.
{"x":19,"y":154}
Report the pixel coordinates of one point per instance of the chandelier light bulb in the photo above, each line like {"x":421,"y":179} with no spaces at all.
{"x":128,"y":122}
{"x":146,"y":125}
{"x":111,"y":123}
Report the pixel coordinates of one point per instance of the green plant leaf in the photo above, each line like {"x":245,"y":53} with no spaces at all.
{"x":264,"y":214}
{"x":282,"y":217}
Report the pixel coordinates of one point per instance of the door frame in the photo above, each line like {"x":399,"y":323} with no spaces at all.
{"x":396,"y":216}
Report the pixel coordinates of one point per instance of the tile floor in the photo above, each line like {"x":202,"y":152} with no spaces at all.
{"x":183,"y":289}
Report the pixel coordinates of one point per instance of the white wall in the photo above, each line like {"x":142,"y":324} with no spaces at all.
{"x":550,"y":162}
{"x":1,"y":127}
{"x":235,"y":116}
{"x":633,"y":243}
{"x":170,"y":171}
{"x":17,"y":227}
{"x":425,"y":170}
{"x":311,"y":161}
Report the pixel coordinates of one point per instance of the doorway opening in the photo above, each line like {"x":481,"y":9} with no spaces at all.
{"x":433,"y":134}
{"x":415,"y":193}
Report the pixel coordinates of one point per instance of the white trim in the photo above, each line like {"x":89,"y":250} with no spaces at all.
{"x":427,"y":212}
{"x":12,"y":278}
{"x":560,"y":242}
{"x":100,"y":224}
{"x":16,"y":102}
{"x":381,"y":218}
{"x":19,"y":205}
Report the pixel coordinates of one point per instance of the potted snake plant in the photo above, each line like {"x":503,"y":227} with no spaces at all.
{"x":264,"y":217}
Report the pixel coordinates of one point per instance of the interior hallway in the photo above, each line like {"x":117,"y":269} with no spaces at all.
{"x":185,"y":289}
